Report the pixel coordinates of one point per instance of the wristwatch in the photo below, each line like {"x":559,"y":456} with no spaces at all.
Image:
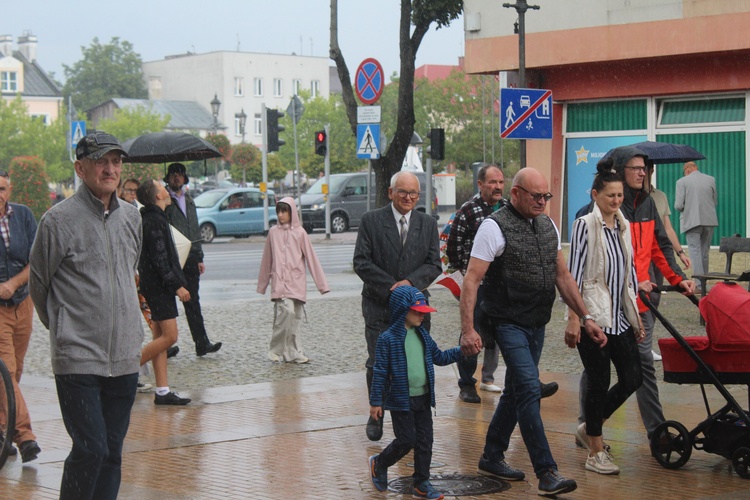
{"x":681,"y":252}
{"x":587,"y":317}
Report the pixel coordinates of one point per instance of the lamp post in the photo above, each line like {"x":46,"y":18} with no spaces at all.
{"x":242,"y":117}
{"x":215,"y":105}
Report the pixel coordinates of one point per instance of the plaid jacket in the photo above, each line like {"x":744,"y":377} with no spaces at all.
{"x":464,"y":228}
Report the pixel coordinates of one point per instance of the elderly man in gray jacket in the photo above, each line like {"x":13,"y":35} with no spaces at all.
{"x":83,"y":264}
{"x":696,"y":200}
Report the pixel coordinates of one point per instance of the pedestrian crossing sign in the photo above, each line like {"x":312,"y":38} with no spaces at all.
{"x":368,"y":141}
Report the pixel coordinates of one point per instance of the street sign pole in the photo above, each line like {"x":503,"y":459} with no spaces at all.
{"x":328,"y":182}
{"x":264,"y":156}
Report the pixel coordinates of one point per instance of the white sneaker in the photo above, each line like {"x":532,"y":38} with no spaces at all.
{"x":301,"y":360}
{"x":144,"y":386}
{"x":489,"y":387}
{"x":656,"y":355}
{"x":601,"y":463}
{"x":582,"y":437}
{"x":274,"y":357}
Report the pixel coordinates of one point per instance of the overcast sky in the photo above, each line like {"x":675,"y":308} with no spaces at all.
{"x":157,"y":28}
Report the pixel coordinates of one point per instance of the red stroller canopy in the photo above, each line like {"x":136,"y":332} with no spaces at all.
{"x":726,"y":310}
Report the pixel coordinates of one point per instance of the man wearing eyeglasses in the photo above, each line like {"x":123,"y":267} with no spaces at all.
{"x":517,"y":253}
{"x":18,"y":228}
{"x":396,"y":245}
{"x":83,"y":261}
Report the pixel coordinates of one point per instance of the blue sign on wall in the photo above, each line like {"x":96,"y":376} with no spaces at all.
{"x":525,"y":113}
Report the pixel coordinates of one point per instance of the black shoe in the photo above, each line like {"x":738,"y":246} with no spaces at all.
{"x":548,"y":389}
{"x":172,"y":351}
{"x":552,"y":483}
{"x":469,"y":395}
{"x":29,"y":450}
{"x":374,"y":429}
{"x":12,"y":451}
{"x":171,"y":398}
{"x":500,"y":470}
{"x":207,"y":348}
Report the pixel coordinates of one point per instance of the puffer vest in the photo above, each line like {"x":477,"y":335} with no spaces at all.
{"x":519,"y":286}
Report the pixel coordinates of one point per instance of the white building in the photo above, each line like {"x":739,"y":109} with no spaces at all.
{"x":242,"y":81}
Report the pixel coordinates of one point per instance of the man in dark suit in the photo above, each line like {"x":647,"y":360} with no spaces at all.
{"x":396,"y":245}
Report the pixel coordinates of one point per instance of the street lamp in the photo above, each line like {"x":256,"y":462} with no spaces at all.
{"x":242,"y":117}
{"x":215,"y":105}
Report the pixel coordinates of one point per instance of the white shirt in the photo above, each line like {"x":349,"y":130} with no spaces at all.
{"x":397,"y":215}
{"x":489,"y":241}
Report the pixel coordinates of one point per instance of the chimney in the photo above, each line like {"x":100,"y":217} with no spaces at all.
{"x":27,"y":45}
{"x":6,"y":45}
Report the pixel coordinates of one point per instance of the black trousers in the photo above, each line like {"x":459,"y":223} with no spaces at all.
{"x":193,"y":306}
{"x":413,"y":430}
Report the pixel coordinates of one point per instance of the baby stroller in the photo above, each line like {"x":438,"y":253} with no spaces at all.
{"x":722,"y":357}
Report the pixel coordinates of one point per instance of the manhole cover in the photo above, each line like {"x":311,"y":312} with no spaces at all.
{"x":453,"y":485}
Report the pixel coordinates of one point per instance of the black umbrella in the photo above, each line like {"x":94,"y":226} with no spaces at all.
{"x":665,"y":152}
{"x":163,"y":147}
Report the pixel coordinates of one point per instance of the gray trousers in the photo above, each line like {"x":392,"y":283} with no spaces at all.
{"x":648,"y":393}
{"x":287,"y":314}
{"x":699,"y":243}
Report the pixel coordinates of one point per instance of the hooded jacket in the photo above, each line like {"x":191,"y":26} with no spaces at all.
{"x":390,"y":380}
{"x":287,"y":251}
{"x":650,"y":240}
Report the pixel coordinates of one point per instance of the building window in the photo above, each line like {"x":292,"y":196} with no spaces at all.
{"x":239,"y":86}
{"x":237,"y":131}
{"x":8,"y":81}
{"x":296,"y":86}
{"x":43,"y":117}
{"x":257,"y":125}
{"x":277,"y":87}
{"x":314,"y":88}
{"x":258,"y":87}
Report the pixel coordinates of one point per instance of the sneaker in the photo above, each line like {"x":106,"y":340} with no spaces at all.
{"x":173,"y":351}
{"x":426,"y":490}
{"x":274,"y":357}
{"x":469,"y":395}
{"x":656,"y":356}
{"x":171,"y":398}
{"x":29,"y":450}
{"x":301,"y":360}
{"x":378,"y":477}
{"x":499,"y":470}
{"x":144,"y":386}
{"x":582,"y":439}
{"x":552,"y":483}
{"x":548,"y":390}
{"x":490,"y":387}
{"x":602,"y":463}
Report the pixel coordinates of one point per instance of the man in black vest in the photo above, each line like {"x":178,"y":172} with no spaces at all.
{"x":517,"y":253}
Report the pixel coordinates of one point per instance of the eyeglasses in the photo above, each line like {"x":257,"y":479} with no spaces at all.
{"x":411,"y":194}
{"x":538,"y":196}
{"x":638,"y":170}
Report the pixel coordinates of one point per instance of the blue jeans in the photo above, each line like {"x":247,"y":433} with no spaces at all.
{"x":413,"y":430}
{"x":521,"y":348}
{"x":96,"y":413}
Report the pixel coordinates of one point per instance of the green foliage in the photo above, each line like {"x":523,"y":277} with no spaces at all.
{"x":128,"y":123}
{"x":105,"y":71}
{"x":221,"y":143}
{"x":30,"y":184}
{"x":23,"y":135}
{"x":246,"y":159}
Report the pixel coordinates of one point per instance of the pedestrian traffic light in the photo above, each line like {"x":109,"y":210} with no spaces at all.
{"x":273,"y":128}
{"x":321,"y":143}
{"x":437,"y":143}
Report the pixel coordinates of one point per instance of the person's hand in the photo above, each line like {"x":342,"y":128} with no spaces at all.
{"x":573,"y":332}
{"x":400,"y":283}
{"x":685,"y":258}
{"x":201,"y":267}
{"x":688,"y":286}
{"x":471,"y":343}
{"x":640,"y":335}
{"x":646,"y":286}
{"x":376,"y":412}
{"x":6,"y":290}
{"x":595,"y":333}
{"x":183,"y":294}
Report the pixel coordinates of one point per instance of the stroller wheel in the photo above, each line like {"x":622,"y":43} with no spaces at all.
{"x":671,"y":444}
{"x":741,"y":462}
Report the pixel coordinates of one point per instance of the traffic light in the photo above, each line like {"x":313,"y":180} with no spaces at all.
{"x":273,"y":128}
{"x":321,"y":143}
{"x":437,"y":143}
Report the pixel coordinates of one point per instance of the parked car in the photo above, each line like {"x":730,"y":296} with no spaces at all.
{"x":348,"y":195}
{"x":209,"y":185}
{"x":234,"y":212}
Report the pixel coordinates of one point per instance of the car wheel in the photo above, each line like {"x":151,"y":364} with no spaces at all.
{"x":208,"y":233}
{"x":339,"y":223}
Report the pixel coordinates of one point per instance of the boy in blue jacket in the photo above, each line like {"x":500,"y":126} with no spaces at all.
{"x":403,"y":382}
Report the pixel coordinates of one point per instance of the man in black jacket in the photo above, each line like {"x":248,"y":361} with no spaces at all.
{"x":184,"y":217}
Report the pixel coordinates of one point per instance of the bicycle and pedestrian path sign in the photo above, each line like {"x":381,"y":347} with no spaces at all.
{"x":525,"y":113}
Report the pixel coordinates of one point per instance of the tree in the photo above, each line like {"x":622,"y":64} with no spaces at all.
{"x":417,"y":13}
{"x":221,"y":143}
{"x":32,"y":190}
{"x":104,"y":71}
{"x":244,"y":157}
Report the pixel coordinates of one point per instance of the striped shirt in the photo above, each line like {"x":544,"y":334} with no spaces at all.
{"x":614,"y":268}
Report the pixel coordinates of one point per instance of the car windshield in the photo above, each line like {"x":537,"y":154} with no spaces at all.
{"x":209,"y":198}
{"x":336,"y":183}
